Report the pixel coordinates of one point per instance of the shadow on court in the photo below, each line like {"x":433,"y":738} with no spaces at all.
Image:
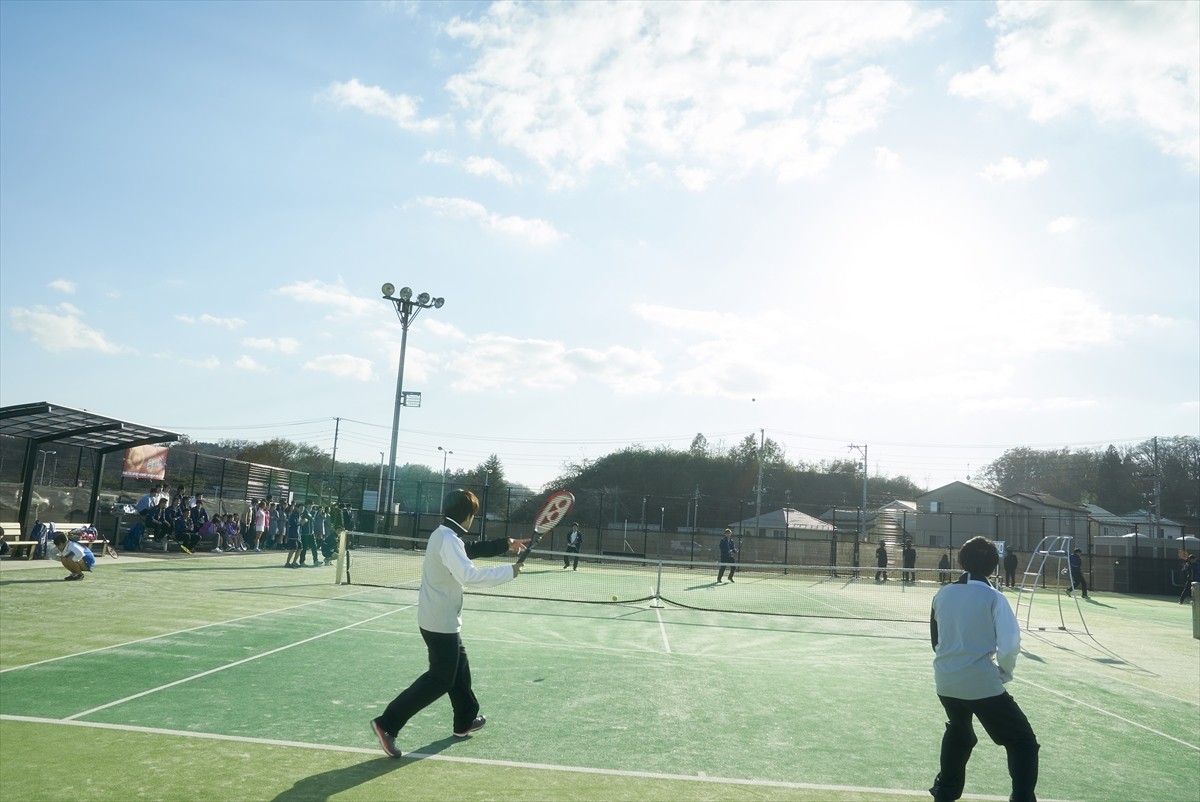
{"x":331,"y":783}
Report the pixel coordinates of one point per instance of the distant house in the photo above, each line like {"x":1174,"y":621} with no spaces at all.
{"x":784,"y":523}
{"x":1167,"y":528}
{"x":950,"y":515}
{"x":1053,"y":517}
{"x":1107,"y":524}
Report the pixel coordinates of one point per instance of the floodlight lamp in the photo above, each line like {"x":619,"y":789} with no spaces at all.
{"x":438,"y":302}
{"x":388,"y":289}
{"x":423,"y":299}
{"x":405,"y":293}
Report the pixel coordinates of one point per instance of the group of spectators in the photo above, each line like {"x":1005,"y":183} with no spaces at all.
{"x":300,"y":528}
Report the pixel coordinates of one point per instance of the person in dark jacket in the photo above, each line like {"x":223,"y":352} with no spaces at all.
{"x":728,"y":555}
{"x":574,"y":542}
{"x":909,"y":555}
{"x":1191,"y":573}
{"x":1077,"y":579}
{"x":881,"y":560}
{"x":1010,"y":567}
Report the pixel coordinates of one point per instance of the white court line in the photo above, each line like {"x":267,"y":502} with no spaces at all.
{"x":230,"y":665}
{"x":647,"y":775}
{"x":181,"y":631}
{"x":1102,"y":711}
{"x":663,"y":629}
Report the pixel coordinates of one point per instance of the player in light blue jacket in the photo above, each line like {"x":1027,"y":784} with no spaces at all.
{"x":976,"y":640}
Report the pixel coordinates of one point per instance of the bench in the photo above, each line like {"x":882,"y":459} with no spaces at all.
{"x":16,"y":545}
{"x":12,"y":535}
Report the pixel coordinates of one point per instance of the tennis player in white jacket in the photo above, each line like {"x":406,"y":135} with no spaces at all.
{"x":976,"y":640}
{"x":446,"y":571}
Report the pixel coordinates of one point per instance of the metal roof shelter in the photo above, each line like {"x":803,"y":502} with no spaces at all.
{"x":43,"y":422}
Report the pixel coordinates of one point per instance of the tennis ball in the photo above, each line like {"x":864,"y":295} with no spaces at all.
{"x":614,"y":598}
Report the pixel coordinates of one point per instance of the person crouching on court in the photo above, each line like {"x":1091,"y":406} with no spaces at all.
{"x":76,"y":558}
{"x":446,"y":570}
{"x":971,"y":624}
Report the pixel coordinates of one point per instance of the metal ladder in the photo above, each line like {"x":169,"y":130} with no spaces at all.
{"x":1058,"y":550}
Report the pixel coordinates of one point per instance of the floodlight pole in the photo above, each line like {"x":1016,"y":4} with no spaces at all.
{"x":407,"y":308}
{"x":445,"y":456}
{"x":862,"y":514}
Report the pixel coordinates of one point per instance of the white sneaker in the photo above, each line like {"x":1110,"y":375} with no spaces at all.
{"x":217,"y":550}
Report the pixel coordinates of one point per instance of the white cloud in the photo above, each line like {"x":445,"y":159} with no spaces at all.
{"x":1010,"y":169}
{"x":692,"y":178}
{"x":887,"y":159}
{"x":531,"y":230}
{"x":223,"y":322}
{"x":338,"y":301}
{"x":343,"y":366}
{"x":488,"y":168}
{"x":62,"y":329}
{"x":245,"y":362}
{"x":723,"y":87}
{"x":1126,"y":63}
{"x":484,"y":167}
{"x":1062,"y":225}
{"x":498,"y":363}
{"x":285,"y":345}
{"x":62,"y":285}
{"x":378,"y":102}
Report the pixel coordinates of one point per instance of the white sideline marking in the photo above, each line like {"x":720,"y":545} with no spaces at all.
{"x":647,"y":775}
{"x":663,"y":629}
{"x":1102,"y":711}
{"x":229,"y":665}
{"x":180,"y":632}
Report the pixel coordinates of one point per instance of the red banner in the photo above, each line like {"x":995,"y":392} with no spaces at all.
{"x":145,"y":462}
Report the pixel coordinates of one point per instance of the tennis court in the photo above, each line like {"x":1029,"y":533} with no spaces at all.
{"x":229,"y":677}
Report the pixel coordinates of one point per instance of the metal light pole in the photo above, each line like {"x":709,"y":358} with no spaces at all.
{"x":862,"y":516}
{"x":45,"y":456}
{"x":445,"y":456}
{"x":407,"y":310}
{"x":379,"y":492}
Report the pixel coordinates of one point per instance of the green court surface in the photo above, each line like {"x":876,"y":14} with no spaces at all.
{"x":231,"y":678}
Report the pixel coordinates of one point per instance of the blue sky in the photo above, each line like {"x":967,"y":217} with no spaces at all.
{"x":939,"y":229}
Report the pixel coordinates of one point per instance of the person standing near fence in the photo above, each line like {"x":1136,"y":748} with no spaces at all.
{"x":881,"y":560}
{"x":1077,"y":579}
{"x":909,"y":556}
{"x":445,"y":571}
{"x":574,"y":542}
{"x":976,"y":640}
{"x":292,"y":543}
{"x":1191,"y":573}
{"x":1010,"y":567}
{"x":258,"y":522}
{"x":728,"y":555}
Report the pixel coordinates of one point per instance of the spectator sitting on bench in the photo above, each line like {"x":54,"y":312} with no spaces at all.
{"x":3,"y":542}
{"x":151,"y":499}
{"x":158,"y":521}
{"x":75,"y":557}
{"x":185,"y":534}
{"x":231,"y":528}
{"x":199,"y":513}
{"x":210,"y":529}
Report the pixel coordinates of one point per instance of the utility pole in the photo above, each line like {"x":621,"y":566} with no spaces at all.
{"x":762,"y":442}
{"x":862,"y":514}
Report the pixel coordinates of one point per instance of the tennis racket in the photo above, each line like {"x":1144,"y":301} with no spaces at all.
{"x":550,"y":516}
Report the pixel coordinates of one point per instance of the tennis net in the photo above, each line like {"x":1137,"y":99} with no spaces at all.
{"x":814,"y":591}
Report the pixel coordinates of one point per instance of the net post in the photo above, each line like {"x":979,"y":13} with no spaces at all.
{"x":656,"y":600}
{"x":339,"y":573}
{"x":1196,"y":610}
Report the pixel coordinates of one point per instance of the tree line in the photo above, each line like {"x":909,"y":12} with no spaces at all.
{"x":712,"y":485}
